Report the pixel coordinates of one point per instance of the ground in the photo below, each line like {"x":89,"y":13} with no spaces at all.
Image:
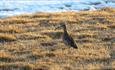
{"x":30,"y":41}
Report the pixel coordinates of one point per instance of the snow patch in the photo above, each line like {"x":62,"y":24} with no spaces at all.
{"x":15,"y":7}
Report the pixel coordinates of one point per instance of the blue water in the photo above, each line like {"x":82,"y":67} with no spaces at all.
{"x":16,"y":7}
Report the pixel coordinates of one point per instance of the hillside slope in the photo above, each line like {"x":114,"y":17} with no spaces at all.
{"x":30,"y":42}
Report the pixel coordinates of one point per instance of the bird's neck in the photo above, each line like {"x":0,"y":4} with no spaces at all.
{"x":65,"y":31}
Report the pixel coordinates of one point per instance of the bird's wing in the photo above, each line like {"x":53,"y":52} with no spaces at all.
{"x":71,"y":39}
{"x":72,"y":42}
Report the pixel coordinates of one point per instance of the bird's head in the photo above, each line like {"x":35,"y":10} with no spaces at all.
{"x":61,"y":25}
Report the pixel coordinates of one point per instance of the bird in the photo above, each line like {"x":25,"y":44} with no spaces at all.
{"x":67,"y":39}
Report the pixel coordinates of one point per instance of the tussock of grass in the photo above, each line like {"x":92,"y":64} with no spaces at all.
{"x":85,"y":35}
{"x":108,"y":9}
{"x":4,"y":54}
{"x":10,"y":29}
{"x":16,"y":66}
{"x":32,"y":35}
{"x":16,"y":20}
{"x":7,"y":37}
{"x":53,"y":34}
{"x":5,"y":57}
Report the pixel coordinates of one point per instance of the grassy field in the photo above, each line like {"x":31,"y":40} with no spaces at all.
{"x":30,"y":41}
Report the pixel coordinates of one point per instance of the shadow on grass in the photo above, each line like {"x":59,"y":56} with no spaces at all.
{"x":3,"y":40}
{"x":15,"y":67}
{"x":6,"y":59}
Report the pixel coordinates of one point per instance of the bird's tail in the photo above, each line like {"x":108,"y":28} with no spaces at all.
{"x":75,"y":46}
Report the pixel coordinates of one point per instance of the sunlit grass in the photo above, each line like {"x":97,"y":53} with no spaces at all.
{"x":10,"y":29}
{"x":30,"y":42}
{"x":7,"y":37}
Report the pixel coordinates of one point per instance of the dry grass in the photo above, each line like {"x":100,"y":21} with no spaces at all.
{"x":30,"y":42}
{"x":7,"y":37}
{"x":10,"y":29}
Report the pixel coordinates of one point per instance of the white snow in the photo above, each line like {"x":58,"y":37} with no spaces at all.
{"x":15,"y":7}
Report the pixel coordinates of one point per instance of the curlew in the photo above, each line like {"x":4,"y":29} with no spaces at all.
{"x":67,"y":39}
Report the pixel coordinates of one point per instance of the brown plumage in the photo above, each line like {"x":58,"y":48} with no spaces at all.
{"x":68,"y":40}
